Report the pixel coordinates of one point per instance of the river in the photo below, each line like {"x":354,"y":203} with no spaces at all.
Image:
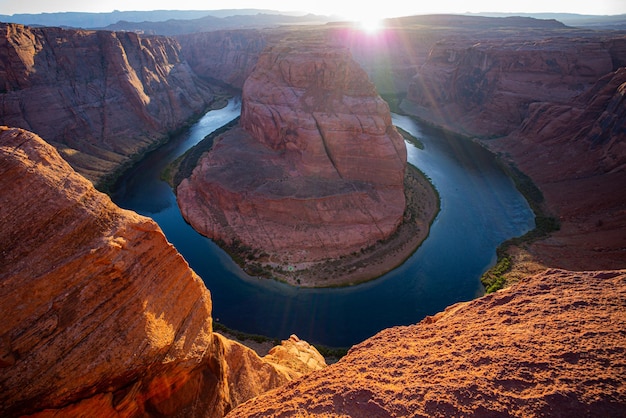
{"x":480,"y":208}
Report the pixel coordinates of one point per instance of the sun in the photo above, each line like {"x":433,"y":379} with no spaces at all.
{"x":370,"y":24}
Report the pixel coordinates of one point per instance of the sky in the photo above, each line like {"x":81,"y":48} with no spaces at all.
{"x":369,"y":10}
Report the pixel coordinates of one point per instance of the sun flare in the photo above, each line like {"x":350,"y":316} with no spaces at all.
{"x":370,"y":24}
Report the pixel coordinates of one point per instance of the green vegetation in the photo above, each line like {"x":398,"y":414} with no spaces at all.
{"x":108,"y":183}
{"x":183,"y":166}
{"x":242,"y":336}
{"x":394,"y":100}
{"x":410,"y":138}
{"x":495,"y":278}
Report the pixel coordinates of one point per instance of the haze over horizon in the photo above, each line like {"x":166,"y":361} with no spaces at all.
{"x":393,"y":8}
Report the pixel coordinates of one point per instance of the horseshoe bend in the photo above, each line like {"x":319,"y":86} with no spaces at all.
{"x":101,"y":316}
{"x":313,"y":185}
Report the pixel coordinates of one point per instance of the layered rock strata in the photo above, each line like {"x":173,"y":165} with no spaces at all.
{"x":484,"y":87}
{"x":552,"y":346}
{"x":99,"y":97}
{"x":228,"y":56}
{"x":314,"y":172}
{"x":576,"y":152}
{"x":101,"y":316}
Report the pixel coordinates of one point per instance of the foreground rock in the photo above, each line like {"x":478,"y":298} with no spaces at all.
{"x":101,"y":98}
{"x":553,"y":346}
{"x":316,"y":170}
{"x":100,"y":314}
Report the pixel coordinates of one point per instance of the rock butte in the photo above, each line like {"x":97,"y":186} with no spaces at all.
{"x":107,"y":319}
{"x":316,"y":170}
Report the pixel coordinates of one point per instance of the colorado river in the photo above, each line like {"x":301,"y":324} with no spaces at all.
{"x":480,"y":208}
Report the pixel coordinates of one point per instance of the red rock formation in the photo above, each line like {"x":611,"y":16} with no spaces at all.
{"x":485,"y":88}
{"x":100,"y":314}
{"x":553,"y":346}
{"x":226,"y":55}
{"x":560,"y":103}
{"x":576,"y":152}
{"x":317,"y":170}
{"x":98,"y":97}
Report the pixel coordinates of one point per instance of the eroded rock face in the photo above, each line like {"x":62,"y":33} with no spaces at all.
{"x":99,"y":97}
{"x":227,"y":55}
{"x":485,"y":88}
{"x":316,"y":169}
{"x":101,"y":316}
{"x":556,"y":105}
{"x":576,"y":152}
{"x":551,"y":346}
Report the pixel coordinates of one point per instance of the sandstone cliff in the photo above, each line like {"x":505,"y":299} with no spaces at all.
{"x":316,"y":170}
{"x":557,"y":105}
{"x":100,"y":314}
{"x":99,"y":97}
{"x":552,"y":346}
{"x":484,"y":87}
{"x":228,"y":56}
{"x":576,"y":152}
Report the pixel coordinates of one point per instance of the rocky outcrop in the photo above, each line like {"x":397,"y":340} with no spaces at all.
{"x":101,"y":315}
{"x":315,"y":171}
{"x":556,"y":104}
{"x":99,"y":97}
{"x":553,"y":346}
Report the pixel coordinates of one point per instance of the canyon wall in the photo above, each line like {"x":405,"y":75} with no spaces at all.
{"x":316,"y":170}
{"x":101,"y":315}
{"x":556,"y":105}
{"x":99,"y":97}
{"x":576,"y":153}
{"x":227,"y":56}
{"x":484,"y":87}
{"x":551,"y":346}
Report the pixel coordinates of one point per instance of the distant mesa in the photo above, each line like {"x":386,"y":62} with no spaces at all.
{"x":314,"y":172}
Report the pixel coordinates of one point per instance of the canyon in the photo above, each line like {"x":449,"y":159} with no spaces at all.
{"x":79,"y":274}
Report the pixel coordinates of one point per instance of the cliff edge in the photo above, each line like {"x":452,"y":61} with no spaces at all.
{"x":101,"y":315}
{"x":551,"y":346}
{"x":101,"y":98}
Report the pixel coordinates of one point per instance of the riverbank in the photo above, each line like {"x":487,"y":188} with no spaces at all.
{"x":422,"y":206}
{"x":110,"y":182}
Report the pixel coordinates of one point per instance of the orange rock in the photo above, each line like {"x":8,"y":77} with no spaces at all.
{"x":101,"y":316}
{"x":317,"y":170}
{"x":554,"y":345}
{"x":99,"y":97}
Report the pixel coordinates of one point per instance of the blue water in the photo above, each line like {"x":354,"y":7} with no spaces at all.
{"x":480,"y":208}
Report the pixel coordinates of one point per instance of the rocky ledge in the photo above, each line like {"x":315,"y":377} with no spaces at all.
{"x":101,"y":316}
{"x":315,"y":172}
{"x":552,"y":346}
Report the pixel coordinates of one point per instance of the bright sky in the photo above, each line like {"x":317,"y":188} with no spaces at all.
{"x":375,"y":10}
